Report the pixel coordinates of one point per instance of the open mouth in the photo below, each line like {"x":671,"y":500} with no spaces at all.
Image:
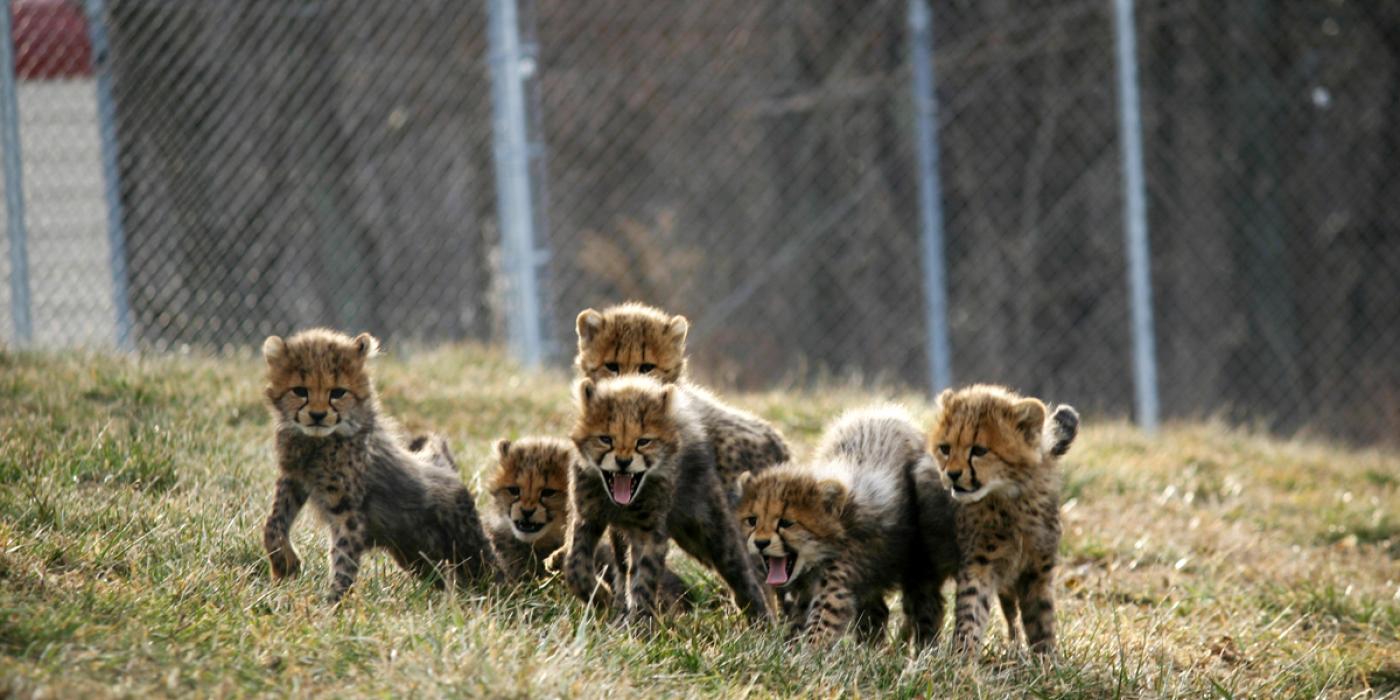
{"x":622,"y":486}
{"x":780,"y":569}
{"x":976,"y":493}
{"x":528,"y":527}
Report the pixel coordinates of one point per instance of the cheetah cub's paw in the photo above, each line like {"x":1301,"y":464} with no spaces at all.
{"x":285,"y":564}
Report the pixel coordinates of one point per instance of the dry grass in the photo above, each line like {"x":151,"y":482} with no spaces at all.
{"x":1206,"y":561}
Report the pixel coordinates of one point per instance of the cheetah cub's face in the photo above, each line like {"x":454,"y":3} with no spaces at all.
{"x":530,"y":486}
{"x":318,"y":383}
{"x":631,"y":339}
{"x":986,"y":440}
{"x":625,"y":429}
{"x":791,"y":519}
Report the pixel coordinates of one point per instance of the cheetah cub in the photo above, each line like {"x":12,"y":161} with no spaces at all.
{"x":634,"y":338}
{"x":996,"y":458}
{"x":529,"y":513}
{"x":335,"y":449}
{"x":529,"y":507}
{"x":835,"y":533}
{"x":648,"y":473}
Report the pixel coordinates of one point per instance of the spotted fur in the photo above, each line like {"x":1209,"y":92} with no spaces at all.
{"x":634,"y":338}
{"x":648,"y":473}
{"x":995,"y":455}
{"x":835,"y":534}
{"x":336,"y":451}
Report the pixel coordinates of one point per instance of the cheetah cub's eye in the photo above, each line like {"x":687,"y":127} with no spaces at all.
{"x":300,"y":391}
{"x":513,"y":490}
{"x":612,"y":367}
{"x":337,"y":393}
{"x":979,"y":451}
{"x":646,"y":368}
{"x":944,"y":449}
{"x":751,"y":521}
{"x":784,"y":523}
{"x":643,"y":442}
{"x":546,"y":493}
{"x":606,"y":440}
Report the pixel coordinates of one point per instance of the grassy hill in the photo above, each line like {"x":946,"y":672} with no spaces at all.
{"x":1204,"y":561}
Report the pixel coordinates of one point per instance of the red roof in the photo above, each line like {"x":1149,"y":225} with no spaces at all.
{"x":50,"y":39}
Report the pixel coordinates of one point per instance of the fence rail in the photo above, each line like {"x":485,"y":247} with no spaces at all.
{"x":914,"y":191}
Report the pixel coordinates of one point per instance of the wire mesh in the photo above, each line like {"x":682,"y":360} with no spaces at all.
{"x":751,"y":165}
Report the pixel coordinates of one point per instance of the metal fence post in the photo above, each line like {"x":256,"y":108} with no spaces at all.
{"x":1135,"y":218}
{"x":930,"y":196}
{"x":511,"y":65}
{"x":107,"y":130}
{"x":14,"y":184}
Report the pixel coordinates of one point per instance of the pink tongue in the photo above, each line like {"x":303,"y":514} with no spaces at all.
{"x":777,"y":571}
{"x":622,"y":488}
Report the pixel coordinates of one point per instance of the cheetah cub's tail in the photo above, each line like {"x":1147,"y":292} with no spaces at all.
{"x":433,"y":450}
{"x":1060,"y":430}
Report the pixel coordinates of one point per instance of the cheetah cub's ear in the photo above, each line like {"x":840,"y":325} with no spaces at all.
{"x":1029,"y":415}
{"x":585,"y":391}
{"x":741,"y":482}
{"x":589,"y":324}
{"x":366,"y":345}
{"x":941,"y":403}
{"x":833,"y":496}
{"x":677,"y":328}
{"x":274,"y":350}
{"x":503,"y":449}
{"x":668,"y":399}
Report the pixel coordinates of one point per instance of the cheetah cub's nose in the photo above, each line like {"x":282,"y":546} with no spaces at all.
{"x":624,"y":463}
{"x":761,"y":544}
{"x":316,"y":416}
{"x":526,"y":512}
{"x":954,"y":476}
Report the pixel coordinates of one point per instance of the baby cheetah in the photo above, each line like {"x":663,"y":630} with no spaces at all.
{"x":996,"y":454}
{"x":529,"y":506}
{"x":336,"y":450}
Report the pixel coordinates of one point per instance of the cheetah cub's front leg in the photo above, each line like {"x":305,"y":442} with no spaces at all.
{"x":647,"y":561}
{"x":1035,"y":594}
{"x":972,"y":607}
{"x":347,"y":545}
{"x":832,"y":607}
{"x":286,"y":504}
{"x":580,"y":572}
{"x":1032,"y":602}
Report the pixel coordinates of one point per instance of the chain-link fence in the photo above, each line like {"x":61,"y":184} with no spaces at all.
{"x":207,"y":173}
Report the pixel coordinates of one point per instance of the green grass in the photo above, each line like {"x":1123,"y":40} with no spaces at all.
{"x":1206,"y":561}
